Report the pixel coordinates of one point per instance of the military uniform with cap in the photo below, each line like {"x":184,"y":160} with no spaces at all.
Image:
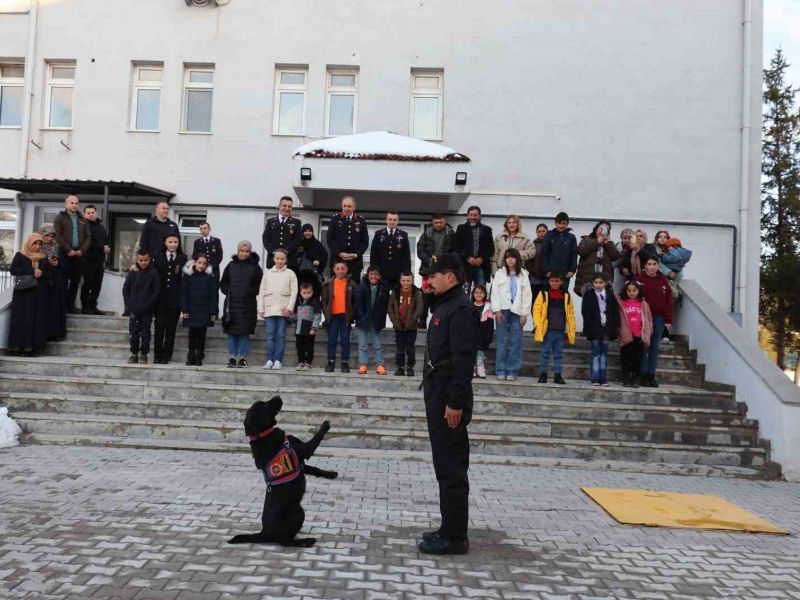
{"x":282,"y":232}
{"x":348,"y":234}
{"x":391,"y":253}
{"x":452,"y":345}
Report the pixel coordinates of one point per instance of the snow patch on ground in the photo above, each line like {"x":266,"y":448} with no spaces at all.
{"x":9,"y":430}
{"x":380,"y":143}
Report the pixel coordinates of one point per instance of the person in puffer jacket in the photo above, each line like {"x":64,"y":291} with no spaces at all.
{"x":199,"y":305}
{"x":674,"y":260}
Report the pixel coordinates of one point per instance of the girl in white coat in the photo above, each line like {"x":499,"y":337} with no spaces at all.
{"x":511,"y":300}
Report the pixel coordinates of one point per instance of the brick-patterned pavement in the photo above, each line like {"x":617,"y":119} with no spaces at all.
{"x":144,"y":524}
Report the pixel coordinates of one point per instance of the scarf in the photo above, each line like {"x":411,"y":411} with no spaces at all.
{"x":30,"y":252}
{"x":601,"y":302}
{"x":50,"y":248}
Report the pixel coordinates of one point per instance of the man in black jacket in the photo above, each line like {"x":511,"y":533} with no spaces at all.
{"x":475,"y":245}
{"x":156,"y":230}
{"x":390,"y":251}
{"x":209,"y":246}
{"x":348,"y":239}
{"x":94,"y":262}
{"x":437,"y":238}
{"x":452,"y":345}
{"x":283,"y":231}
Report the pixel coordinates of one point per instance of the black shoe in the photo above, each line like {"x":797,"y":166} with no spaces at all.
{"x":156,"y":360}
{"x":652,"y":381}
{"x":143,"y":359}
{"x":400,"y":371}
{"x":242,"y":364}
{"x":190,"y":360}
{"x":86,"y":311}
{"x":330,"y":367}
{"x":558,"y":379}
{"x":410,"y":372}
{"x":634,"y":382}
{"x":133,"y":359}
{"x":345,"y":367}
{"x":96,"y":311}
{"x":73,"y":310}
{"x":442,"y":545}
{"x":429,"y":536}
{"x":542,"y":377}
{"x":231,"y":363}
{"x":198,"y":362}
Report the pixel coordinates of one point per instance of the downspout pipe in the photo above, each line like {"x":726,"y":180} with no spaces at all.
{"x":744,"y":205}
{"x":27,"y":103}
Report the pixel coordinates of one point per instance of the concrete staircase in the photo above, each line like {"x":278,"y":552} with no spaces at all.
{"x":82,"y":392}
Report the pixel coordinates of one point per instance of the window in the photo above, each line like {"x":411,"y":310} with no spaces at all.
{"x":146,"y":97}
{"x":198,"y":91}
{"x":8,"y":221}
{"x":426,"y":105}
{"x":60,"y":95}
{"x":290,"y":102}
{"x":341,"y":104}
{"x":11,"y":80}
{"x":189,"y":228}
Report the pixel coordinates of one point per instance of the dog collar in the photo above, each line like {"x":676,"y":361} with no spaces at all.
{"x":258,"y":436}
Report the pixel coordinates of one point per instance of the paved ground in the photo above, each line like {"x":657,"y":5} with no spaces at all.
{"x":114,"y":523}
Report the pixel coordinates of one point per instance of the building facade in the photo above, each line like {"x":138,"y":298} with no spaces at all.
{"x":643,"y":113}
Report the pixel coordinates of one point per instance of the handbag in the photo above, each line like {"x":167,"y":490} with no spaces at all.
{"x":226,"y":313}
{"x":24,"y":282}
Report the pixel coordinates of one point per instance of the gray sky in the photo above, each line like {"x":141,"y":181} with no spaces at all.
{"x":782,"y":28}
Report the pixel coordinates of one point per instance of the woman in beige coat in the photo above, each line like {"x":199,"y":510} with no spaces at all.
{"x":512,"y":237}
{"x":276,"y":298}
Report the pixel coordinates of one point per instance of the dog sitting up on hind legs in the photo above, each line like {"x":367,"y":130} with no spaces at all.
{"x":281,"y":458}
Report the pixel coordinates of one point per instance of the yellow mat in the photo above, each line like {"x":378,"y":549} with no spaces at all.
{"x":667,"y":509}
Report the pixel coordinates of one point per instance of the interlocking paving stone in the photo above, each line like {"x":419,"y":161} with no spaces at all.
{"x":87,"y":522}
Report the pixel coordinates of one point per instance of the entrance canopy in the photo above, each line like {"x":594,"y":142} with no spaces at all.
{"x":87,"y":187}
{"x":380,"y":164}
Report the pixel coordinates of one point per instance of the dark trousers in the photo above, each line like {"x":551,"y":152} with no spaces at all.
{"x":339,"y":331}
{"x":450,"y":449}
{"x":197,"y":341}
{"x":631,"y":357}
{"x":73,"y":271}
{"x":305,"y":348}
{"x":166,"y":324}
{"x":93,"y":271}
{"x":139,"y":329}
{"x":406,"y":347}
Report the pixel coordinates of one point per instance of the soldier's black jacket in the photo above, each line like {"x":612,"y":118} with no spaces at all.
{"x":392,"y":255}
{"x":286,"y":235}
{"x":451,"y":349}
{"x":171,"y":277}
{"x":213,"y":250}
{"x":347,"y":236}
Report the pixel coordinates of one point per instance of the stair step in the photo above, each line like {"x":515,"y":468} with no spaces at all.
{"x":401,"y":439}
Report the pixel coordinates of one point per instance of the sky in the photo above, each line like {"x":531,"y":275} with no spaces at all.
{"x":782,"y":29}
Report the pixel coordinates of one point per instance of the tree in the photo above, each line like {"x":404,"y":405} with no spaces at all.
{"x":780,"y":210}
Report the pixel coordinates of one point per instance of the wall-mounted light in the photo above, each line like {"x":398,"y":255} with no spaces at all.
{"x":305,"y":174}
{"x":461,"y":178}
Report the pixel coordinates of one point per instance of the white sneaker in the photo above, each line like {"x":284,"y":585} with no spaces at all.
{"x":277,"y":366}
{"x":480,"y":371}
{"x":267,"y":365}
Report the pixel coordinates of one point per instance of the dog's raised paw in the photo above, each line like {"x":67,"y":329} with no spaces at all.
{"x":331,"y":474}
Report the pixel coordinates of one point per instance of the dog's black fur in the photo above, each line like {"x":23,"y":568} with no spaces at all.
{"x":283,"y":515}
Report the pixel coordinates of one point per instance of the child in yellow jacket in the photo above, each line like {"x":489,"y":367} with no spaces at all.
{"x":553,"y":318}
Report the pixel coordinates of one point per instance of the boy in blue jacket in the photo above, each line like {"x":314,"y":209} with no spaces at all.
{"x":560,"y":249}
{"x":372,"y":302}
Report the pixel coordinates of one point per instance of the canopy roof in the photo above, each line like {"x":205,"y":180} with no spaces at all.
{"x":82,"y":186}
{"x":380,"y":145}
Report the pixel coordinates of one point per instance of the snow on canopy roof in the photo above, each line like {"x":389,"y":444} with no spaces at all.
{"x":379,"y":145}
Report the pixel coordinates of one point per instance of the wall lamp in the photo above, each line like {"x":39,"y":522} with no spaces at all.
{"x":305,"y":174}
{"x":461,"y":178}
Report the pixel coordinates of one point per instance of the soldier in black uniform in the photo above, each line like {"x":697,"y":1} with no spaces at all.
{"x":348,"y":238}
{"x":390,"y":251}
{"x":283,"y":231}
{"x":449,"y":361}
{"x":170,"y":264}
{"x":209,"y":246}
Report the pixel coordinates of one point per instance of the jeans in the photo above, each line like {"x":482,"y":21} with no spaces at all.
{"x":275,"y":328}
{"x":509,"y":345}
{"x":480,"y":358}
{"x":239,"y":345}
{"x":473,"y":276}
{"x":553,"y":342}
{"x":339,"y":331}
{"x":599,"y":360}
{"x":650,"y":353}
{"x":365,"y":336}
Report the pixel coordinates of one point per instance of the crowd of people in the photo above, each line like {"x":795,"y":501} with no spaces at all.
{"x":628,"y":289}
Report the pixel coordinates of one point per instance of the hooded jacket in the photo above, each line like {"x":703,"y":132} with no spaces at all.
{"x":240,"y":283}
{"x":369,"y":313}
{"x":199,"y":296}
{"x":560,"y":252}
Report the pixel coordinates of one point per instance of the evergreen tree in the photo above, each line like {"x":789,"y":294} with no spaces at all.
{"x":780,"y":209}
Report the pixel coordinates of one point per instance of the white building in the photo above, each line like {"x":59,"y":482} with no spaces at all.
{"x":644,"y":113}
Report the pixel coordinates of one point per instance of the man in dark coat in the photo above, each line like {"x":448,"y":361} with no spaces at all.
{"x":210,"y":247}
{"x":282,"y":231}
{"x":437,"y":238}
{"x":348,"y":238}
{"x":475,"y":245}
{"x":170,"y":264}
{"x":390,"y":251}
{"x":72,"y":237}
{"x":452,"y":345}
{"x":94,"y":262}
{"x":156,"y":230}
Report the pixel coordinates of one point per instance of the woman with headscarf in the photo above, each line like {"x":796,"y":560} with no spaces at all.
{"x":597,"y":255}
{"x":635,"y":256}
{"x":240,"y":283}
{"x":56,"y":288}
{"x":28,"y":327}
{"x":311,"y":253}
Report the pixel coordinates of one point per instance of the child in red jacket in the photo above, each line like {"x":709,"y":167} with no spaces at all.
{"x":656,"y":291}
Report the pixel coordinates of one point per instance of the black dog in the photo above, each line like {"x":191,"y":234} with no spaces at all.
{"x":281,"y":459}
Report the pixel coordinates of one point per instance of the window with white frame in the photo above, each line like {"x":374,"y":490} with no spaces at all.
{"x":8,"y":222}
{"x":198,"y":93}
{"x":146,"y":97}
{"x":290,"y":101}
{"x":12,"y":77}
{"x":60,"y":100}
{"x":341,"y":105}
{"x":426,"y":104}
{"x":189,"y":228}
